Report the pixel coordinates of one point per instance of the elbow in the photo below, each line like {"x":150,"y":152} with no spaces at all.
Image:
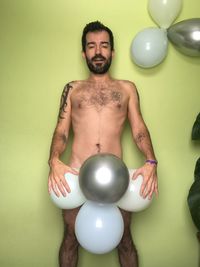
{"x":60,"y":135}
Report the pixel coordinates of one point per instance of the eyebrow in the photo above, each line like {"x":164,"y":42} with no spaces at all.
{"x":104,"y":42}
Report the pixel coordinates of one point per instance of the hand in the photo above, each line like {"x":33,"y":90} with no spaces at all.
{"x":150,"y":181}
{"x":56,"y":180}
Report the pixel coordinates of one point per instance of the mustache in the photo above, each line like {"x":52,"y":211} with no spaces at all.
{"x":97,"y":57}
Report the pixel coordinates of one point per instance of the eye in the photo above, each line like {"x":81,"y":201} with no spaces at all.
{"x":105,"y":45}
{"x":90,"y":46}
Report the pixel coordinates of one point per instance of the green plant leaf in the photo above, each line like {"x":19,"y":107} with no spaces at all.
{"x":196,"y":128}
{"x":197,"y":170}
{"x":194,"y":202}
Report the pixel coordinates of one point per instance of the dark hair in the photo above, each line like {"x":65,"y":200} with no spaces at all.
{"x":96,"y":26}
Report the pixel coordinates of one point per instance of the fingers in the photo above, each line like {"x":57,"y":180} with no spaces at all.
{"x":63,"y":181}
{"x":136,"y":173}
{"x":60,"y":185}
{"x":58,"y":180}
{"x":55,"y":185}
{"x":49,"y":186}
{"x":149,"y":186}
{"x":55,"y":189}
{"x":156,"y":188}
{"x":150,"y":195}
{"x":145,"y":187}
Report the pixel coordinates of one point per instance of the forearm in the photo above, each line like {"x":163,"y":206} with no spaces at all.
{"x":58,"y":145}
{"x":143,"y":141}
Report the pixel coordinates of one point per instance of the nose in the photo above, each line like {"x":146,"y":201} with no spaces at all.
{"x":98,"y":50}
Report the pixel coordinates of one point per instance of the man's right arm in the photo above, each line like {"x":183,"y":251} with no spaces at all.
{"x":56,"y":181}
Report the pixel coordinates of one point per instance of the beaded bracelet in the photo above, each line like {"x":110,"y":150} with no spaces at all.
{"x":151,"y":161}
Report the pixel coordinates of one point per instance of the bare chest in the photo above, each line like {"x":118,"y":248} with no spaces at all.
{"x":99,"y":98}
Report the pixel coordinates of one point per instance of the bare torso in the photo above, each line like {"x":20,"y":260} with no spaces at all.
{"x":98,"y":113}
{"x":97,"y":109}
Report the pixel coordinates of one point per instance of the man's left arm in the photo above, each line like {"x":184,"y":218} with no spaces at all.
{"x":142,"y":139}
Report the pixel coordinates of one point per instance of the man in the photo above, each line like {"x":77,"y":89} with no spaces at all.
{"x":97,"y":109}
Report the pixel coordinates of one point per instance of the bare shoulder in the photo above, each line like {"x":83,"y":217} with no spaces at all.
{"x":71,"y":87}
{"x":72,"y":84}
{"x":129,"y":87}
{"x":75,"y":85}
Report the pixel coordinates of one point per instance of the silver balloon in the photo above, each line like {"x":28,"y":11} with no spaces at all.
{"x":185,"y":35}
{"x":103,"y":178}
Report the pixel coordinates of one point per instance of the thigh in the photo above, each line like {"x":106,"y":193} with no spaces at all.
{"x":69,"y":217}
{"x":126,"y":218}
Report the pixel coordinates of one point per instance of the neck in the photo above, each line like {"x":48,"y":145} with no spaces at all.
{"x":99,"y":77}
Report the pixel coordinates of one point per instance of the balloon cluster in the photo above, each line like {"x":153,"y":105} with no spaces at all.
{"x":149,"y":47}
{"x":104,"y":185}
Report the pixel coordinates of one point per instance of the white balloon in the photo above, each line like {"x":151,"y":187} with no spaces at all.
{"x":164,"y":12}
{"x":99,"y":227}
{"x":73,"y":199}
{"x":131,"y":200}
{"x":149,"y":47}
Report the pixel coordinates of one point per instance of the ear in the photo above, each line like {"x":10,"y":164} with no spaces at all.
{"x":113,"y":53}
{"x":83,"y":54}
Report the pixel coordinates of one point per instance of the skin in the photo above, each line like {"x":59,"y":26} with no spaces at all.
{"x":96,"y":109}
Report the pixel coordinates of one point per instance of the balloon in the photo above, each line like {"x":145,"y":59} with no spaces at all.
{"x":131,"y":200}
{"x":103,"y":178}
{"x":164,"y":12}
{"x":185,"y":35}
{"x":99,"y":227}
{"x":149,"y":47}
{"x":73,"y":199}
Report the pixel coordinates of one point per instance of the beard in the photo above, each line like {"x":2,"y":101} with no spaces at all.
{"x":99,"y":67}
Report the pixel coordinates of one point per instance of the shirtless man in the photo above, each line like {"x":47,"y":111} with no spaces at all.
{"x":97,"y":109}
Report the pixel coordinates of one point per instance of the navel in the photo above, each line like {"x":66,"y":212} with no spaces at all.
{"x":98,"y":148}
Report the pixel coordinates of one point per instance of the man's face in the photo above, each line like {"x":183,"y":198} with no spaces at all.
{"x":98,"y":52}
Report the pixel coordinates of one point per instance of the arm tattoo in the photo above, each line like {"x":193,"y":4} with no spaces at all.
{"x":143,"y":141}
{"x":63,"y":102}
{"x":140,"y":137}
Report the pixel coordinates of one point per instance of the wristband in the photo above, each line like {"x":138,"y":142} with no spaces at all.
{"x":151,"y":161}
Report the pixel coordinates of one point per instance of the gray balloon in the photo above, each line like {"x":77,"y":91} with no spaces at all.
{"x":103,"y":178}
{"x":185,"y":35}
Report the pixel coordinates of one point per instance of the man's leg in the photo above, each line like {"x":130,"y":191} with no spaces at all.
{"x":68,"y":255}
{"x":126,"y":249}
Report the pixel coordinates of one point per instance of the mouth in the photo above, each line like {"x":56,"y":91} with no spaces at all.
{"x":98,"y":59}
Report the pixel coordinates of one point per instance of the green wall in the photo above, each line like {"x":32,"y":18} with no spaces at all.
{"x":39,"y":53}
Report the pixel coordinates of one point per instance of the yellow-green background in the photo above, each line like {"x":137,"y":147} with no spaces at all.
{"x":39,"y":53}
